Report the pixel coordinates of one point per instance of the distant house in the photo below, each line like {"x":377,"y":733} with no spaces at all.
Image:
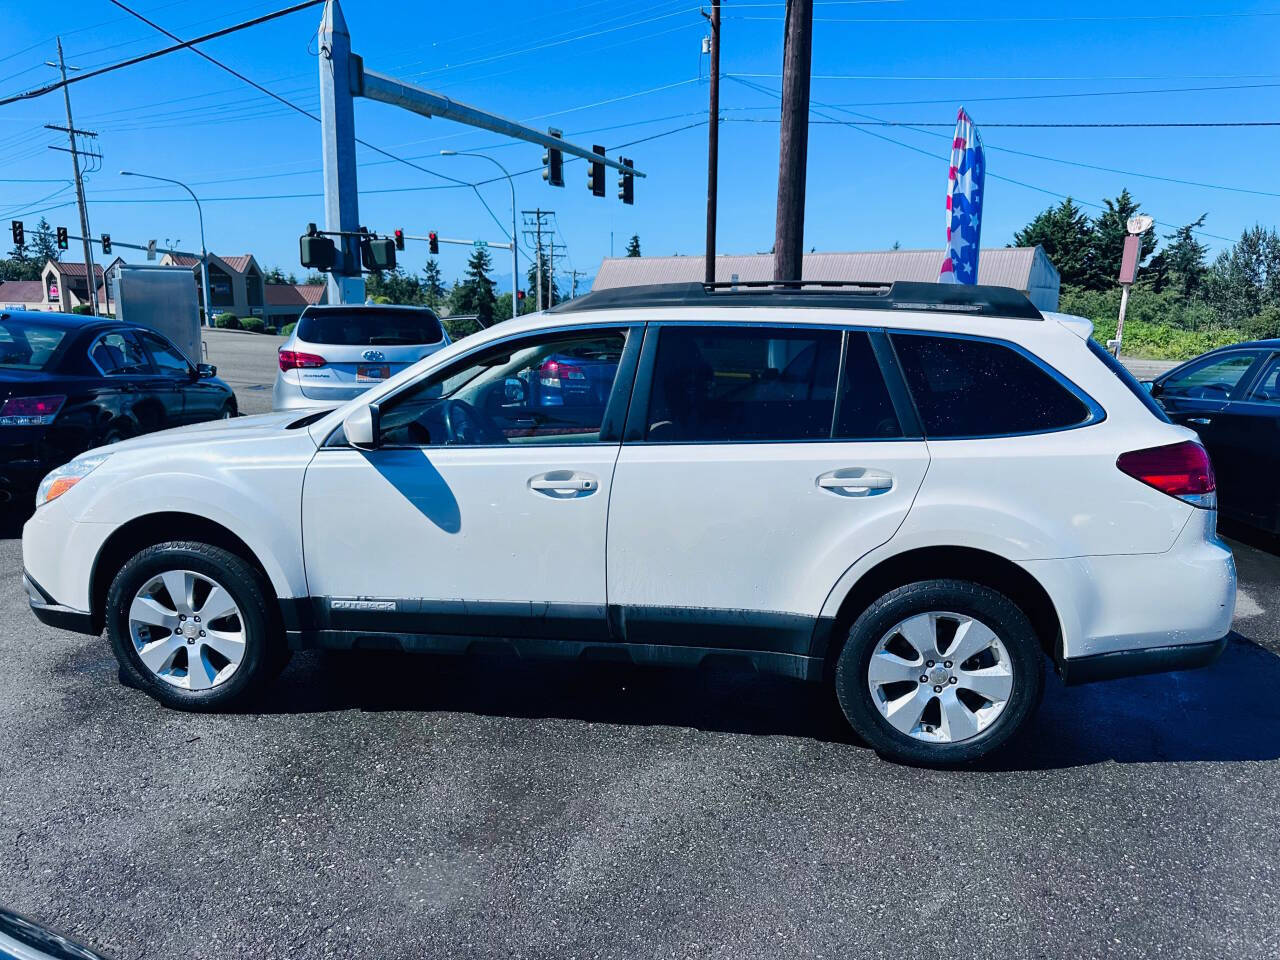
{"x":1023,"y":268}
{"x":22,"y":295}
{"x":235,"y":283}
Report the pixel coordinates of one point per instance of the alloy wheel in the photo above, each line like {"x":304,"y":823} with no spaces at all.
{"x":940,"y":677}
{"x":187,"y":630}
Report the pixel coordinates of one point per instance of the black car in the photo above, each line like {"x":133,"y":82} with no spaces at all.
{"x":70,"y":383}
{"x":1231,"y":397}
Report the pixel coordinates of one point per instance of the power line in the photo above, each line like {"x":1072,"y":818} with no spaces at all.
{"x":1064,"y":19}
{"x":1059,"y":96}
{"x":1122,"y":125}
{"x":1044,"y":79}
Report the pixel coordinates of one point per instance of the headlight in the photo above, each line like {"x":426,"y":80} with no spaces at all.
{"x":59,"y":481}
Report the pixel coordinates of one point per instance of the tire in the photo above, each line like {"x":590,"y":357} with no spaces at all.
{"x":228,"y":411}
{"x":963,"y":709}
{"x":242,"y":651}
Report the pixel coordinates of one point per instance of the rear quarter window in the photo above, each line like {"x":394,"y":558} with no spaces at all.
{"x":964,"y":387}
{"x":370,"y":327}
{"x":1128,"y":379}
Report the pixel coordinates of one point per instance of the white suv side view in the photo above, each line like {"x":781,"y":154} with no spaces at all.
{"x":912,"y":493}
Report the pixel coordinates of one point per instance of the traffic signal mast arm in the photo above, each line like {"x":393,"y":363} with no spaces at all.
{"x":499,"y":244}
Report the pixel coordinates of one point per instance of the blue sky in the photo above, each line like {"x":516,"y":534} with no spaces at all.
{"x":632,"y":69}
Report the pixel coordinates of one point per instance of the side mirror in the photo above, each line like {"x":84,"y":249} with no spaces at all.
{"x":205,"y":370}
{"x":362,"y":427}
{"x":1153,"y":388}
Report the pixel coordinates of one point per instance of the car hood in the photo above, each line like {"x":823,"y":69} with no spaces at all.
{"x":214,"y":431}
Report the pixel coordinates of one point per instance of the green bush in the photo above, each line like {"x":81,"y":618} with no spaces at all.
{"x":269,"y":331}
{"x":82,"y":308}
{"x":288,"y":328}
{"x":253,"y":324}
{"x":227,"y":321}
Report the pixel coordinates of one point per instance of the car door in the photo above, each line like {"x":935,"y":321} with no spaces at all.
{"x":481,"y":512}
{"x":133,"y":391}
{"x":174,"y":376}
{"x":1246,"y":449}
{"x":1197,"y":394}
{"x":759,"y":463}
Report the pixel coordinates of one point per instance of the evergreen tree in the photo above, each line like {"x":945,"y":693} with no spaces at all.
{"x":1185,"y":258}
{"x":475,"y":293}
{"x":433,"y":291}
{"x":1064,"y":233}
{"x":633,"y":245}
{"x":550,"y":292}
{"x":394,"y":286}
{"x":1246,"y":278}
{"x":45,"y":246}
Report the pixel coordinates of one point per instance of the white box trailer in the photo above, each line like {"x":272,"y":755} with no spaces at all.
{"x":162,"y":298}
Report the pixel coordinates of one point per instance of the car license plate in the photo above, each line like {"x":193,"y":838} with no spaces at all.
{"x":372,"y":373}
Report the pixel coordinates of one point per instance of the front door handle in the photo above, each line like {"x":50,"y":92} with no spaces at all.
{"x":855,"y":481}
{"x":564,"y":482}
{"x":1202,"y":421}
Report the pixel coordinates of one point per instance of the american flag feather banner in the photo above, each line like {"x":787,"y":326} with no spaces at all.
{"x":964,"y":203}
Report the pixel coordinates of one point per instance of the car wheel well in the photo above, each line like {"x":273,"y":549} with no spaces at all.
{"x":952,"y":563}
{"x":146,"y":531}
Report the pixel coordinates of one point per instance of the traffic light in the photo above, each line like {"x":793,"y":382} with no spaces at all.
{"x":553,"y":162}
{"x":595,"y":173}
{"x":378,"y":254}
{"x":316,"y":252}
{"x":19,"y":235}
{"x":433,"y":243}
{"x":399,"y":239}
{"x":62,"y":238}
{"x":520,"y":295}
{"x":106,"y":244}
{"x":626,"y":183}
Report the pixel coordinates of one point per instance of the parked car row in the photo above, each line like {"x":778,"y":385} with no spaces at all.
{"x":915,"y":495}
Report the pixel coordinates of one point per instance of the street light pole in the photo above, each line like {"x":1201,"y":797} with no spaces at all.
{"x":204,"y":254}
{"x":515,"y":262}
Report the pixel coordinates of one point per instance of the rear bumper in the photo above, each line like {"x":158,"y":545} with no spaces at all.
{"x":1134,"y":663}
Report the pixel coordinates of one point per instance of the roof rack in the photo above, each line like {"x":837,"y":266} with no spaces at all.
{"x":830,"y":294}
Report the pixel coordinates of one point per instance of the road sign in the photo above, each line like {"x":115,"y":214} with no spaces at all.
{"x":480,"y":244}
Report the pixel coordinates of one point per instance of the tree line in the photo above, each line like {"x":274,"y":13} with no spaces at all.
{"x":1181,"y":297}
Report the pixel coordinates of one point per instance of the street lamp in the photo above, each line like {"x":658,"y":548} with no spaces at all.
{"x":204,"y":254}
{"x":515,"y":266}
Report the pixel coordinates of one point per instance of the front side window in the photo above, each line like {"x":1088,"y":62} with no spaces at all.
{"x":549,"y":389}
{"x":169,"y":362}
{"x":743,"y":384}
{"x":119,"y":355}
{"x":1214,"y":379}
{"x":979,"y":388}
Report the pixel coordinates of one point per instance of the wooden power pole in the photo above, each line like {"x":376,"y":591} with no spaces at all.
{"x":788,"y":244}
{"x":713,"y":141}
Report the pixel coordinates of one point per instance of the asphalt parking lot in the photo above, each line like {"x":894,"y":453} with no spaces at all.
{"x":393,"y":806}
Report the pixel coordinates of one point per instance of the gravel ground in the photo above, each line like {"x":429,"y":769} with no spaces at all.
{"x":394,"y":806}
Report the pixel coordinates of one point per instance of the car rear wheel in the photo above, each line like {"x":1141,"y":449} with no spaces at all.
{"x":190,"y":624}
{"x":940,"y":672}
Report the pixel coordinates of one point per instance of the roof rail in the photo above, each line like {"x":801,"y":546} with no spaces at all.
{"x":828,"y":294}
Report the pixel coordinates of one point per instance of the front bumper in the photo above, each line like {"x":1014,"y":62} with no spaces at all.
{"x":48,"y":611}
{"x":1135,"y":663}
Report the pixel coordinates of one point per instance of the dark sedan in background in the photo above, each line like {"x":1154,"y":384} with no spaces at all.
{"x":1231,"y":397}
{"x":70,"y":383}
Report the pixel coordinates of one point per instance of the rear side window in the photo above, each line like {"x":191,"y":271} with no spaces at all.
{"x":978,"y":388}
{"x":1128,"y":379}
{"x":743,"y":384}
{"x":866,"y":410}
{"x":119,"y":355}
{"x":370,"y":327}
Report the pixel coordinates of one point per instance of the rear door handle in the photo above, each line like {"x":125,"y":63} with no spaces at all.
{"x":1202,"y":421}
{"x":861,"y":484}
{"x":563,"y":482}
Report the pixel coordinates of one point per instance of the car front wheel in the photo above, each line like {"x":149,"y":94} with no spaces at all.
{"x":189,"y":623}
{"x":940,"y":672}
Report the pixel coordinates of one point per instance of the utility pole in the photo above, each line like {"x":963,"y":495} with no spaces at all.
{"x":713,"y":141}
{"x":788,"y":245}
{"x":338,"y":142}
{"x":534,"y":223}
{"x":90,"y":278}
{"x":574,"y":289}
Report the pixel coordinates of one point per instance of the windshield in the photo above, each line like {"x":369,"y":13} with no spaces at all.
{"x":370,"y":326}
{"x":27,"y":344}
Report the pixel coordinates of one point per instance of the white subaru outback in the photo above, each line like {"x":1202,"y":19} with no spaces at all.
{"x":912,"y":493}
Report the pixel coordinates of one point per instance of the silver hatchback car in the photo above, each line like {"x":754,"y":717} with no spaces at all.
{"x":337,"y":352}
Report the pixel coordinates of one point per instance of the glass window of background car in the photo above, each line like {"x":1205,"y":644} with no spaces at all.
{"x":866,"y":409}
{"x":370,"y":326}
{"x":551,"y":389}
{"x":169,"y":362}
{"x":25,"y":345}
{"x":977,"y":388}
{"x":1267,"y":389}
{"x":119,"y":354}
{"x":1212,"y":380}
{"x":743,"y":384}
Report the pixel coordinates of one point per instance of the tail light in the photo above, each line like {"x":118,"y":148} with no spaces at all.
{"x":1181,"y":470}
{"x":293,"y":360}
{"x":30,"y":411}
{"x":553,"y":373}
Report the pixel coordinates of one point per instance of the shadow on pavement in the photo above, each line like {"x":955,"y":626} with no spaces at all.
{"x":1226,"y":712}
